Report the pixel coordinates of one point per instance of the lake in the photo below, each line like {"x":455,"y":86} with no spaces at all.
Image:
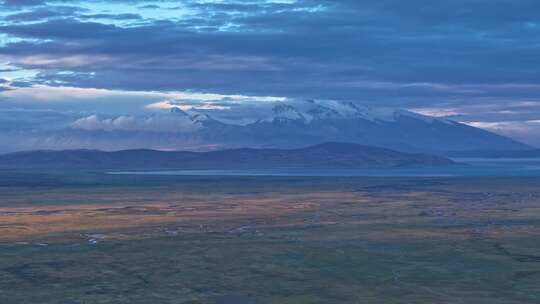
{"x":466,"y":167}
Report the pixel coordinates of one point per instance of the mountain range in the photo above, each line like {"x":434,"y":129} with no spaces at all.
{"x":287,"y":124}
{"x":327,"y":155}
{"x":313,"y":122}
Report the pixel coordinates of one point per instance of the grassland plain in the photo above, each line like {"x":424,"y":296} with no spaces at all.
{"x":87,"y":237}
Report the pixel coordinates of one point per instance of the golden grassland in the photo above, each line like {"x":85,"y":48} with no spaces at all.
{"x":409,"y":214}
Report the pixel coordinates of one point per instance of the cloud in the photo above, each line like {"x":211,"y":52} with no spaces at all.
{"x":454,"y":55}
{"x":167,"y":55}
{"x":168,"y":105}
{"x":126,"y":16}
{"x":525,"y":131}
{"x":287,"y":49}
{"x":66,"y":94}
{"x":149,"y":6}
{"x":66,"y":62}
{"x":161,"y":123}
{"x":43,"y":13}
{"x":22,"y":3}
{"x":438,"y":112}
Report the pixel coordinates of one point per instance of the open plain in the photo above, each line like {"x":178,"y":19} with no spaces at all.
{"x":83,"y":237}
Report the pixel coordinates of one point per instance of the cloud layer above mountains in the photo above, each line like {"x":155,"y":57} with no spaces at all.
{"x":475,"y":61}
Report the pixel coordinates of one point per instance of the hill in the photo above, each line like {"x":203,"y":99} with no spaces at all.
{"x":327,"y":155}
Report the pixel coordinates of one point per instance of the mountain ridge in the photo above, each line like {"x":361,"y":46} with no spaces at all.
{"x":286,"y":125}
{"x":326,"y":155}
{"x":312,"y":122}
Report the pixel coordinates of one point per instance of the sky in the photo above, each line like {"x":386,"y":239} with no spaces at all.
{"x":474,"y":61}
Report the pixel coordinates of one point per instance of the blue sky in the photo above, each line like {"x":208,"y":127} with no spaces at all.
{"x":473,"y":60}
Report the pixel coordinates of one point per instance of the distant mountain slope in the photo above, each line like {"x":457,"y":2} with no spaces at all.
{"x":327,"y":155}
{"x":533,"y":153}
{"x":313,"y":122}
{"x":280,"y":125}
{"x":316,"y":122}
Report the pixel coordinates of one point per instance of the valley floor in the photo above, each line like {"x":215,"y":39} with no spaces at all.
{"x":91,"y":238}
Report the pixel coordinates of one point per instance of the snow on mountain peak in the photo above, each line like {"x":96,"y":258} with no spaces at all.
{"x":285,"y":112}
{"x":309,"y":111}
{"x":200,"y":118}
{"x":177,"y":110}
{"x":322,"y":112}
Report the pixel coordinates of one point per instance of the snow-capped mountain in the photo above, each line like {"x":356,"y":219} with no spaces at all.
{"x":309,"y":111}
{"x":312,"y":122}
{"x":195,"y":118}
{"x":291,"y":125}
{"x":287,"y":114}
{"x":178,"y":111}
